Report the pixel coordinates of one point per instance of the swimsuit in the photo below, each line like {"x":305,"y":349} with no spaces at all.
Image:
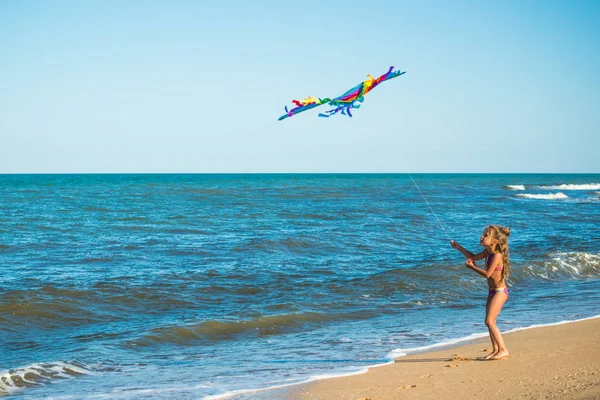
{"x":492,"y":292}
{"x":488,"y":260}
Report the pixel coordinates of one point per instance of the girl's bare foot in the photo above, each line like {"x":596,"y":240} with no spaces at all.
{"x":500,"y":355}
{"x":491,"y":355}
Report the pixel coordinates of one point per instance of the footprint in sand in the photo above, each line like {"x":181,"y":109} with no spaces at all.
{"x":451,"y":366}
{"x":407,"y":386}
{"x":427,"y":376}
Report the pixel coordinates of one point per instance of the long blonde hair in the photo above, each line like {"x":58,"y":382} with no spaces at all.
{"x":501,"y":234}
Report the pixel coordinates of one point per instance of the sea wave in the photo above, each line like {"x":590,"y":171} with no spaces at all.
{"x":216,"y":331}
{"x":572,"y":186}
{"x":18,"y":308}
{"x":547,"y":196}
{"x":515,"y":187}
{"x":55,"y":307}
{"x":561,"y":267}
{"x":16,"y":379}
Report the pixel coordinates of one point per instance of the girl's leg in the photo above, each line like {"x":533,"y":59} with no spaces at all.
{"x":495,"y":347}
{"x":495,"y":307}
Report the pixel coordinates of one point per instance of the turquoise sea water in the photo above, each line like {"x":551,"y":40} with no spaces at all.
{"x":189,"y":286}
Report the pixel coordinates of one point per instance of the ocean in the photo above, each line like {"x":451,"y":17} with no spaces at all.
{"x":195,"y":286}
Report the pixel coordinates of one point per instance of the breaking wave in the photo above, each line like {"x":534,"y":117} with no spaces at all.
{"x":547,"y":196}
{"x":573,"y":186}
{"x":561,"y":267}
{"x":16,"y":379}
{"x":515,"y":187}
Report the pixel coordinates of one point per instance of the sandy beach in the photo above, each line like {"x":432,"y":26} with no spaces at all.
{"x":559,"y":361}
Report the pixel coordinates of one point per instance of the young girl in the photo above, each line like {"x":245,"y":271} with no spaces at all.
{"x":497,"y":266}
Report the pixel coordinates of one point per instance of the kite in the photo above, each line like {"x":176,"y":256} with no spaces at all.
{"x":344,"y":103}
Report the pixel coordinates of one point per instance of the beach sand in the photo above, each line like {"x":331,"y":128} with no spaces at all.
{"x":559,"y":361}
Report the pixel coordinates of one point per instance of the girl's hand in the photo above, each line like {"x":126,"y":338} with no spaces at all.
{"x":454,"y":244}
{"x":470,"y":263}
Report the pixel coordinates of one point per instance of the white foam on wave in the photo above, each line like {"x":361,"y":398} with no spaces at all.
{"x":16,"y":379}
{"x":573,"y":186}
{"x":515,"y":187}
{"x":570,"y":266}
{"x":577,"y":262}
{"x":548,"y":196}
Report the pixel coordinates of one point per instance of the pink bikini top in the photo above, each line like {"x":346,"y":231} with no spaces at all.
{"x":488,"y":260}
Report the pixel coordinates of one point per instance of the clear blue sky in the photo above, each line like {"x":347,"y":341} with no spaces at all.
{"x":197,"y":86}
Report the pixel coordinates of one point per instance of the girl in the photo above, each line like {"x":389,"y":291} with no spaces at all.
{"x":495,"y":241}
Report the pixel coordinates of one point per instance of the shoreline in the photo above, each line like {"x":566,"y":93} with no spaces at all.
{"x":311,"y":386}
{"x":547,"y":361}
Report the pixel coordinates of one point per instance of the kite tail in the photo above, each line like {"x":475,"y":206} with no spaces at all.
{"x":344,"y":109}
{"x":344,"y":103}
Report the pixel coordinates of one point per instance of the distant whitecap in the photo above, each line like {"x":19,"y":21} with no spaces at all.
{"x":515,"y":187}
{"x":548,"y":196}
{"x":573,"y":186}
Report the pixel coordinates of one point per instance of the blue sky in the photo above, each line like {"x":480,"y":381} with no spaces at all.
{"x":197,"y":86}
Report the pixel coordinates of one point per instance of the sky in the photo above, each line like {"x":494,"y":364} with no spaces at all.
{"x":103,"y":86}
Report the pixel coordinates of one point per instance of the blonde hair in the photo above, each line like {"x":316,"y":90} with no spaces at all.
{"x":501,"y":234}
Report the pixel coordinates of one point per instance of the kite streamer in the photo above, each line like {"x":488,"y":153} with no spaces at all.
{"x":344,"y":103}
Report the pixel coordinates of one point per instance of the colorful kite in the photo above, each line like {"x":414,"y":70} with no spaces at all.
{"x":343,"y":103}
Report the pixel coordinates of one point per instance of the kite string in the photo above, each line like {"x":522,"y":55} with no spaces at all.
{"x":429,"y":205}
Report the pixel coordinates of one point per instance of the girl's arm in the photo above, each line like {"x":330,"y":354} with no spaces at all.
{"x":486,"y":273}
{"x":467,"y":253}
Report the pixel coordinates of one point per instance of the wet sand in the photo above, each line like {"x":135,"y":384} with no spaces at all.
{"x":560,"y":361}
